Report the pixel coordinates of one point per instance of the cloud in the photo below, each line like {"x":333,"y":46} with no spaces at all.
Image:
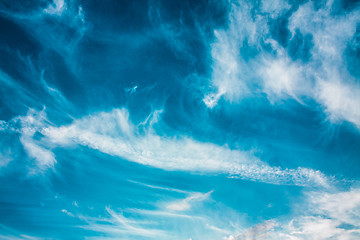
{"x":331,"y":33}
{"x":27,"y":126}
{"x":322,"y":216}
{"x":341,"y":101}
{"x":342,"y":206}
{"x":67,"y":212}
{"x":7,"y":233}
{"x":331,"y":216}
{"x":118,"y":225}
{"x":275,"y":7}
{"x":158,"y":187}
{"x":260,"y":231}
{"x":230,"y":73}
{"x":113,"y":133}
{"x":270,"y":71}
{"x":315,"y":227}
{"x":31,"y":124}
{"x":56,"y":8}
{"x":283,"y":79}
{"x":277,"y":71}
{"x":185,"y":204}
{"x":324,"y":78}
{"x":44,"y":157}
{"x":62,"y":34}
{"x":160,"y":221}
{"x":335,"y":89}
{"x":226,"y":70}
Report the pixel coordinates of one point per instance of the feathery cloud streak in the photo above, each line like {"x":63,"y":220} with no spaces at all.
{"x":114,"y":134}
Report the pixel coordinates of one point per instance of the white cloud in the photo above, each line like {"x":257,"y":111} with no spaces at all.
{"x":331,"y":32}
{"x":231,"y":74}
{"x":185,"y":204}
{"x":323,"y":216}
{"x":158,"y":187}
{"x":32,"y":123}
{"x":56,"y":8}
{"x":67,"y":213}
{"x":326,"y":216}
{"x":113,"y":133}
{"x":311,"y":227}
{"x":116,"y":225}
{"x":341,"y":101}
{"x":334,"y":89}
{"x":233,"y":78}
{"x":178,"y":205}
{"x":261,"y":231}
{"x":342,"y":206}
{"x":226,"y":68}
{"x":44,"y":157}
{"x":283,"y":79}
{"x":274,"y":7}
{"x":162,"y":222}
{"x":212,"y":99}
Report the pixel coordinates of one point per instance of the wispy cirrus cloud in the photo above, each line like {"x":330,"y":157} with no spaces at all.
{"x":159,"y":222}
{"x":59,"y":26}
{"x":322,"y":215}
{"x":185,"y":203}
{"x":117,"y":225}
{"x":7,"y":233}
{"x":301,"y":58}
{"x":114,"y":134}
{"x":341,"y":101}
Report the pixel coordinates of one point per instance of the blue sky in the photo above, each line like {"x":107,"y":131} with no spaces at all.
{"x":226,"y":120}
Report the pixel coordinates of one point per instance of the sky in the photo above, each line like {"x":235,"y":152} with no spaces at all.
{"x":181,"y":119}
